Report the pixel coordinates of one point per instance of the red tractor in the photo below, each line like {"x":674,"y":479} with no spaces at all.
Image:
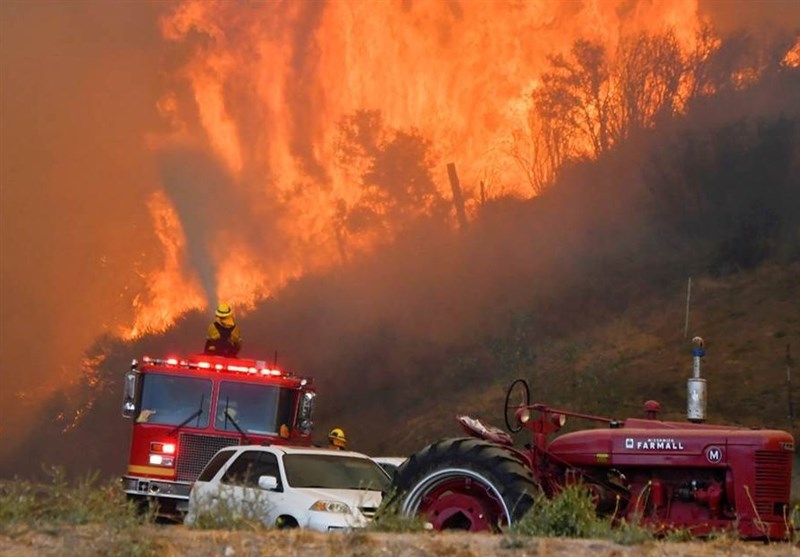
{"x":665,"y":475}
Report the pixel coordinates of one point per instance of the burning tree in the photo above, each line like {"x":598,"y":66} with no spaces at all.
{"x":589,"y":101}
{"x":394,"y":171}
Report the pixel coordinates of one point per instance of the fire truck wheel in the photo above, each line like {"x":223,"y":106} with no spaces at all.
{"x":465,"y":484}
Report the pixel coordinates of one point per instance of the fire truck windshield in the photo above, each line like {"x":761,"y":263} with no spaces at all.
{"x":257,"y":409}
{"x":170,"y":400}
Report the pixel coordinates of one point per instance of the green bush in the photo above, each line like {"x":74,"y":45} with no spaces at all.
{"x":391,"y":521}
{"x":231,"y":514}
{"x":56,"y":506}
{"x":572,"y":514}
{"x":57,"y":501}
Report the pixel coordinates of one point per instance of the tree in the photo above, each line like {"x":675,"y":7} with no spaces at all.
{"x":394,"y":170}
{"x":649,"y":71}
{"x":540,"y":147}
{"x":574,"y":102}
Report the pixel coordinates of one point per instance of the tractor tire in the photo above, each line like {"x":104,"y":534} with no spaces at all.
{"x":463,"y":483}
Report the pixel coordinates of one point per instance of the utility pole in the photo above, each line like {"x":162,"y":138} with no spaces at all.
{"x":789,"y":384}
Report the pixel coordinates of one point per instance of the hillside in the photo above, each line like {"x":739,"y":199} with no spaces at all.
{"x":748,"y":320}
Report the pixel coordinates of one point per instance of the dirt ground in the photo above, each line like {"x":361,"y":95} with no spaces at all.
{"x":177,"y":541}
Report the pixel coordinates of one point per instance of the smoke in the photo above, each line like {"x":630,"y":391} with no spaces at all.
{"x":79,"y":85}
{"x":763,"y":18}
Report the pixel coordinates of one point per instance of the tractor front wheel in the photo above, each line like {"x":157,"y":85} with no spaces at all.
{"x":465,"y":484}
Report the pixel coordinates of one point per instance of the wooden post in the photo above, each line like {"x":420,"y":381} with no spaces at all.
{"x":458,"y":198}
{"x":688,"y":301}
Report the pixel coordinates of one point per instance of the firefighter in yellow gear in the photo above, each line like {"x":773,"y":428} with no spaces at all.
{"x":223,"y":337}
{"x":337,"y":439}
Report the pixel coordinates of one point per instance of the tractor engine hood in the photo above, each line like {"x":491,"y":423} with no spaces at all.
{"x":656,"y":443}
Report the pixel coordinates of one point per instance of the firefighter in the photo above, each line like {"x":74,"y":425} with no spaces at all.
{"x":337,"y":440}
{"x":223,"y":338}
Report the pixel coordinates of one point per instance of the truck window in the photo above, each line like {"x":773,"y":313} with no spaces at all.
{"x":214,"y":465}
{"x":170,"y":399}
{"x":249,"y":466}
{"x":257,"y":409}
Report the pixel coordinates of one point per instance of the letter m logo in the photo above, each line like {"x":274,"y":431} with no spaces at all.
{"x":714,"y":455}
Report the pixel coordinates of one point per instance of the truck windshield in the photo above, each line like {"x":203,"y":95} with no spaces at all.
{"x":334,"y":472}
{"x":170,"y":400}
{"x":257,"y":409}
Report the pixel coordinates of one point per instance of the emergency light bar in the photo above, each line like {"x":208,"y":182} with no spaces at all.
{"x":252,"y":370}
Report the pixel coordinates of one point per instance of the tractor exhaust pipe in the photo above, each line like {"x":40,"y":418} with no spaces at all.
{"x":696,"y":388}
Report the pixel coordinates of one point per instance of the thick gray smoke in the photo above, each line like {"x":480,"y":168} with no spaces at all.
{"x":205,"y":199}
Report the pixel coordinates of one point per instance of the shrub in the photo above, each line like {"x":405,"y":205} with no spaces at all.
{"x":572,"y":514}
{"x":231,"y":514}
{"x":57,"y":501}
{"x":57,"y":506}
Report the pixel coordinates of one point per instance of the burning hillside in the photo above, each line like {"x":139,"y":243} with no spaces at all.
{"x":274,"y":96}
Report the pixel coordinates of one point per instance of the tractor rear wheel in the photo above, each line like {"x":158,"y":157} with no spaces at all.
{"x":465,"y":484}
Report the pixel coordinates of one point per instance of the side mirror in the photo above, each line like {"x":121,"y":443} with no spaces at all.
{"x":129,"y":395}
{"x":305,"y":416}
{"x":267,"y":482}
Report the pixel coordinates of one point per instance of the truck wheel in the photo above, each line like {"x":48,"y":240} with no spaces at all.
{"x":465,"y":484}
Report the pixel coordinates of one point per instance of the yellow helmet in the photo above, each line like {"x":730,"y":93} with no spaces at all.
{"x":337,"y":438}
{"x":224,"y":311}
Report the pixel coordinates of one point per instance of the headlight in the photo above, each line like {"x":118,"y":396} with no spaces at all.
{"x":330,"y":507}
{"x":161,"y":460}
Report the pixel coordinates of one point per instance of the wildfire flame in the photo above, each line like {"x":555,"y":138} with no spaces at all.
{"x":159,"y":306}
{"x":264,"y":86}
{"x":792,"y":58}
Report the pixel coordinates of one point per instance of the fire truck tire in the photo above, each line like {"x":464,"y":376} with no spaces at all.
{"x":463,"y":483}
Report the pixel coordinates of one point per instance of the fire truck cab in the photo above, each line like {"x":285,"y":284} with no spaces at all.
{"x":185,"y":410}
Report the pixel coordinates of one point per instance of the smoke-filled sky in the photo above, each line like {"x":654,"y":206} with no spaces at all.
{"x":80,"y":81}
{"x":148,"y":146}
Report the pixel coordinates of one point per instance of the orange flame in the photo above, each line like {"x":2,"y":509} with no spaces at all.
{"x":269,"y":82}
{"x":169,"y":293}
{"x":792,"y":58}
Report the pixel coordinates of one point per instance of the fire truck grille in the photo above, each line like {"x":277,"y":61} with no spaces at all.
{"x":773,"y":477}
{"x":196,"y":450}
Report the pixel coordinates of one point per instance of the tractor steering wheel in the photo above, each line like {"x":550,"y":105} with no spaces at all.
{"x":518,"y":394}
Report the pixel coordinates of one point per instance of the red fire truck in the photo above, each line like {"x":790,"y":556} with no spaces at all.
{"x":185,"y":410}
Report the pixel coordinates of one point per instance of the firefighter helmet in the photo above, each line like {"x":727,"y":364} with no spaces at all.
{"x":224,"y":311}
{"x":337,"y":438}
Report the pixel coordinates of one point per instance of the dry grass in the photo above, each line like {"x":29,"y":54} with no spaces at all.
{"x":91,"y":518}
{"x":177,"y":541}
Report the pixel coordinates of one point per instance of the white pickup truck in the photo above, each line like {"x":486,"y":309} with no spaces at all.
{"x":288,"y":487}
